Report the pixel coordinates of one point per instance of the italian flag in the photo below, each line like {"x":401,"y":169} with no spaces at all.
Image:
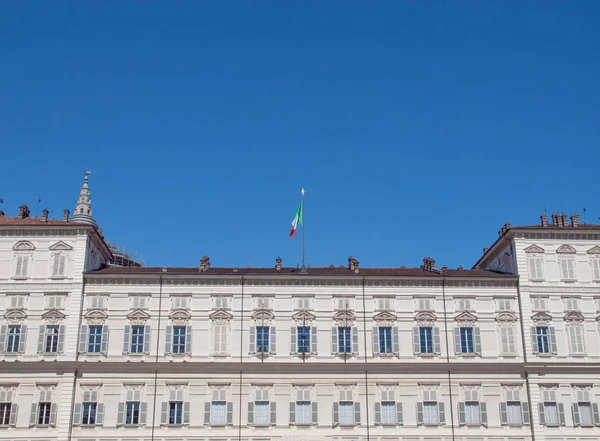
{"x":297,"y":221}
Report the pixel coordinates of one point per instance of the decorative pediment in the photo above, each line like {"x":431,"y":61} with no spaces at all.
{"x":534,"y":249}
{"x":506,"y":317}
{"x":221,"y":317}
{"x":61,"y":246}
{"x":137,"y":316}
{"x":465,"y":318}
{"x":263,"y":315}
{"x":23,"y":245}
{"x":304,"y":317}
{"x":566,"y":249}
{"x":385,"y":318}
{"x":53,"y":316}
{"x":573,"y":316}
{"x":344,"y":318}
{"x":96,"y":316}
{"x":425,"y":318}
{"x":541,"y":318}
{"x":595,"y":250}
{"x":15,"y":315}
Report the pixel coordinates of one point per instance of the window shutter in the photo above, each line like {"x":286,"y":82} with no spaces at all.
{"x":575,"y":410}
{"x":552,"y":337}
{"x":273,"y":342}
{"x":395,"y":340}
{"x":315,"y":412}
{"x":14,"y":410}
{"x":273,"y":406}
{"x":186,"y":412}
{"x":143,"y":408}
{"x":477,"y":340}
{"x":313,"y":339}
{"x":436,"y":340}
{"x":164,"y":412}
{"x":53,"y":414}
{"x":416,"y":341}
{"x":377,"y":413}
{"x":252,"y":346}
{"x":121,"y":413}
{"x":441,"y":412}
{"x":61,"y":338}
{"x":534,"y":342}
{"x":457,"y":342}
{"x":99,"y":414}
{"x":355,"y":339}
{"x":250,"y":412}
{"x":147,"y":334}
{"x":41,"y":338}
{"x":19,"y":268}
{"x":229,"y":413}
{"x":33,"y":415}
{"x":77,"y":414}
{"x":188,"y":339}
{"x":126,"y":338}
{"x":294,"y":340}
{"x":399,"y":415}
{"x":541,"y":414}
{"x":525,"y":411}
{"x":595,"y":414}
{"x":503,"y":414}
{"x":461,"y":414}
{"x":419,"y":413}
{"x":334,"y":340}
{"x":561,"y":414}
{"x":375,"y":333}
{"x":2,"y":338}
{"x":292,"y":413}
{"x":336,"y":414}
{"x":483,"y":414}
{"x":23,"y":340}
{"x":169,"y":340}
{"x":356,"y":413}
{"x":83,"y":338}
{"x":104,"y":345}
{"x":207,"y":413}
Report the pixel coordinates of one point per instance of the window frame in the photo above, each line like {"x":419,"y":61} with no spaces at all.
{"x":136,"y":339}
{"x":179,"y":340}
{"x":94,"y":339}
{"x":13,"y":340}
{"x":426,"y":345}
{"x":344,"y":339}
{"x":51,"y":339}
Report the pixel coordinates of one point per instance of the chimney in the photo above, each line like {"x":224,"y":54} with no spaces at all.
{"x":485,"y":250}
{"x":278,"y":263}
{"x":564,"y":220}
{"x":555,"y":221}
{"x":1,"y":213}
{"x":352,"y":263}
{"x":428,"y":264}
{"x":544,"y":218}
{"x":66,"y":213}
{"x":506,"y":226}
{"x":204,"y":263}
{"x":575,"y":220}
{"x":23,"y":211}
{"x":460,"y":267}
{"x":45,"y":215}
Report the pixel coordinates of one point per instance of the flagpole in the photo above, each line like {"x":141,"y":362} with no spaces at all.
{"x":302,"y":211}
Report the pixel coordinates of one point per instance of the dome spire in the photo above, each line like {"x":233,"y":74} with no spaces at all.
{"x":83,"y":210}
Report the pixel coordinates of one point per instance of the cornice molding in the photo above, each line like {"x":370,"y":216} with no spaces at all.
{"x":563,"y":235}
{"x":37,"y":287}
{"x":559,"y":290}
{"x":51,"y":230}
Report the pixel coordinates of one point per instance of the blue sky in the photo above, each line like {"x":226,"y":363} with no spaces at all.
{"x":417,"y":128}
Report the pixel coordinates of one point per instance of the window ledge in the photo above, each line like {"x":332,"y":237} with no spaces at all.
{"x":427,"y":354}
{"x":385,"y":354}
{"x":432,"y":424}
{"x":136,"y":354}
{"x":568,"y":280}
{"x":42,"y":425}
{"x":220,"y":354}
{"x":468,"y":354}
{"x":57,"y":277}
{"x":20,"y":277}
{"x":536,"y":280}
{"x":552,"y":425}
{"x":302,"y":424}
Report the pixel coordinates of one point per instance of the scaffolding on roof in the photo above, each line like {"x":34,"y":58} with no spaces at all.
{"x":125,"y":258}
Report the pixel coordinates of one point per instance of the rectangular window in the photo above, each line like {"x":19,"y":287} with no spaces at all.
{"x":464,"y":304}
{"x":571,"y":304}
{"x":220,"y":339}
{"x":543,"y":340}
{"x":303,"y":339}
{"x":175,"y":412}
{"x":55,"y":302}
{"x":345,"y":339}
{"x":596,"y":269}
{"x":262,"y":339}
{"x":44,"y":413}
{"x":303,"y":412}
{"x":303,"y":303}
{"x":346,"y":413}
{"x":466,"y":340}
{"x":426,"y":340}
{"x":221,"y":303}
{"x":180,"y":302}
{"x":507,"y":336}
{"x":133,"y":412}
{"x":59,"y":265}
{"x":550,"y":414}
{"x":472,"y":413}
{"x":139,"y":302}
{"x":343,"y":303}
{"x":52,"y":332}
{"x":263,"y":303}
{"x":536,"y":268}
{"x":430,"y":412}
{"x":16,"y":302}
{"x":97,"y":302}
{"x":95,"y":339}
{"x":5,"y":414}
{"x":385,"y":340}
{"x":585,"y":414}
{"x":178,"y":340}
{"x":14,"y":338}
{"x":89,"y":413}
{"x":567,"y":268}
{"x":262,"y":413}
{"x":137,"y":339}
{"x":218,"y":412}
{"x":22,"y":266}
{"x":424,"y":304}
{"x":504,"y":304}
{"x":576,"y":342}
{"x":384,"y":303}
{"x":513,"y":409}
{"x":539,"y":303}
{"x":388,"y":412}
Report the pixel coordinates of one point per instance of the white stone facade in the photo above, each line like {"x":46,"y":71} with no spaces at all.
{"x":95,"y":352}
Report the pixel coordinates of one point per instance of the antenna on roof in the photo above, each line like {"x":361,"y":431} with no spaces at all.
{"x":562,"y":209}
{"x":38,"y":206}
{"x":584,"y":216}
